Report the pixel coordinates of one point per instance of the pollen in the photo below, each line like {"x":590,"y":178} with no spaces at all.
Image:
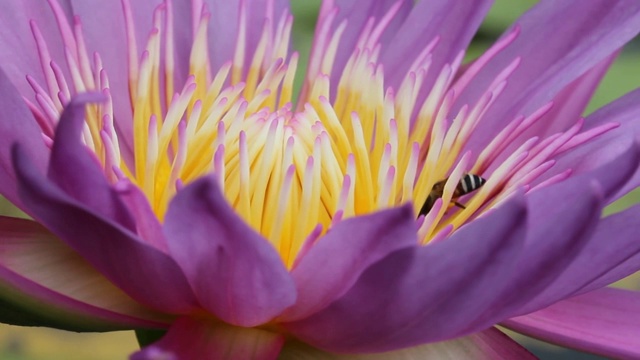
{"x":351,"y":145}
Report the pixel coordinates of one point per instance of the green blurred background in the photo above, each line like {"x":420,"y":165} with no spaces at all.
{"x":17,"y":343}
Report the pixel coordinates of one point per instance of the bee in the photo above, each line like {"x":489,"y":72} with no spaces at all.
{"x":468,"y":184}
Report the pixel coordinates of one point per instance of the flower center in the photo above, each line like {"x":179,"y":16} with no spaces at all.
{"x":350,"y":148}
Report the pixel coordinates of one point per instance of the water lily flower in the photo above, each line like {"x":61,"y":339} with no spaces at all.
{"x":400,"y":208}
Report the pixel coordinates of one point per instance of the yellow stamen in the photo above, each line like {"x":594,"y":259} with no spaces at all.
{"x":349,"y":148}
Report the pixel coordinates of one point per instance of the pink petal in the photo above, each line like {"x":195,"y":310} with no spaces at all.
{"x":56,"y":287}
{"x":191,"y":338}
{"x":336,"y":262}
{"x":421,"y":294}
{"x":604,"y":322}
{"x":235,"y":273}
{"x":490,"y":344}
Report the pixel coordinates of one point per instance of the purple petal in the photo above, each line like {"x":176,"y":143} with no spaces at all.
{"x":143,"y":272}
{"x":46,"y":283}
{"x":561,"y":235}
{"x":628,"y":267}
{"x":332,"y":266}
{"x":18,"y":53}
{"x":626,"y":112}
{"x":223,"y":26}
{"x":490,"y":344}
{"x":99,"y":16}
{"x":453,"y":21}
{"x":612,"y":161}
{"x":190,"y":338}
{"x":570,"y":103}
{"x":614,"y":175}
{"x":558,"y":231}
{"x":612,"y":253}
{"x":357,"y":13}
{"x":110,"y":15}
{"x":223,"y":31}
{"x":605,"y":322}
{"x":148,"y":226}
{"x":17,"y":125}
{"x":77,"y":171}
{"x":559,"y":41}
{"x":421,"y":294}
{"x":96,"y":18}
{"x":236,"y":273}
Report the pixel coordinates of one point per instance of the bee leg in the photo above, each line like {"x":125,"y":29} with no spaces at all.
{"x":459,"y":205}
